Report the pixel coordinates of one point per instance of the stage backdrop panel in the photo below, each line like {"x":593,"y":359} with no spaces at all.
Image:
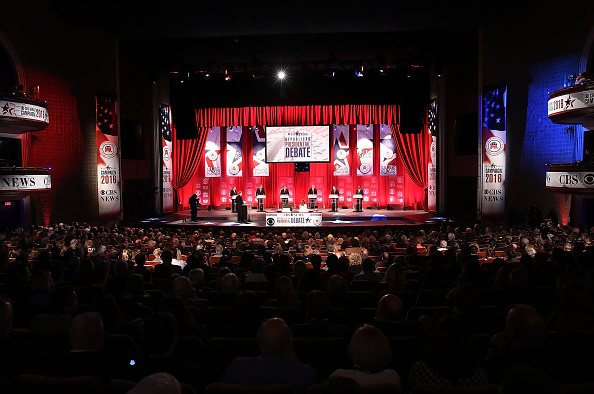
{"x":109,"y":190}
{"x":494,"y":139}
{"x":395,"y":190}
{"x":346,"y":189}
{"x":167,"y":156}
{"x":212,"y":153}
{"x":341,"y":141}
{"x":388,"y":156}
{"x":251,"y":184}
{"x":234,"y":160}
{"x":370,"y":188}
{"x":364,"y":149}
{"x":202,"y":190}
{"x":225,"y":186}
{"x":259,"y":165}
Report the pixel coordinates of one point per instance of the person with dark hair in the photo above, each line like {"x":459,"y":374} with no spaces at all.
{"x":277,"y":364}
{"x":193,"y":201}
{"x":448,"y":360}
{"x":368,"y":272}
{"x":239,"y":207}
{"x":318,"y":325}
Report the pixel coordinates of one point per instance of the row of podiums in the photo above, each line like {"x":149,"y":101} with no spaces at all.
{"x":311,"y":204}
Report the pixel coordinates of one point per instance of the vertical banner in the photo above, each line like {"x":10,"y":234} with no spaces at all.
{"x":396,"y":190}
{"x":226,"y":185}
{"x":345,"y":188}
{"x":387,"y":151}
{"x":364,"y":149}
{"x":202,"y":190}
{"x":167,"y":188}
{"x":251,"y":184}
{"x":341,"y":139}
{"x":432,"y":170}
{"x":259,"y":165}
{"x":109,"y":189}
{"x":494,"y":138}
{"x":370,"y":188}
{"x":234,"y":151}
{"x":212,"y":153}
{"x":289,"y":181}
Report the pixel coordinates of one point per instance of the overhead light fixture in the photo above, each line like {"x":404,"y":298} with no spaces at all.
{"x":281,"y":75}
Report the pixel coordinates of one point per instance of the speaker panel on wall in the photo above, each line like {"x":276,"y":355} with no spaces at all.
{"x":466,"y":134}
{"x":185,"y":123}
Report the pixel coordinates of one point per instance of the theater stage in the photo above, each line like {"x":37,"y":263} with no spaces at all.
{"x":342,"y":218}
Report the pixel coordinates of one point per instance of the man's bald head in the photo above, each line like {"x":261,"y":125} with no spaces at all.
{"x":274,"y":337}
{"x":5,"y":316}
{"x":390,"y":308}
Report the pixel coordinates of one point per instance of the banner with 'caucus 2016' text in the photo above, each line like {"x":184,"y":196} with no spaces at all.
{"x":109,"y":189}
{"x":259,"y":165}
{"x":234,"y":151}
{"x":494,"y":138}
{"x":364,"y":149}
{"x":165,"y":115}
{"x":340,"y":139}
{"x":387,"y":151}
{"x":212,"y":153}
{"x":432,"y":166}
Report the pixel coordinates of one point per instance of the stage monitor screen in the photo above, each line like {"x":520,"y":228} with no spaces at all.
{"x":297,"y":144}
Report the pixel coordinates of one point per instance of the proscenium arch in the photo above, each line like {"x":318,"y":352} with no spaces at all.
{"x":13,"y":56}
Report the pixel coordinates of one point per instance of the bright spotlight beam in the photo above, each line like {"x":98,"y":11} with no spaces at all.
{"x":281,"y":75}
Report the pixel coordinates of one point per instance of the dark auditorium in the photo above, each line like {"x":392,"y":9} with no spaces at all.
{"x":296,"y":198}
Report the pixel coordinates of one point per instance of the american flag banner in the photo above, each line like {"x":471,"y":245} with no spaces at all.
{"x":494,"y":102}
{"x":341,"y":150}
{"x":109,"y":191}
{"x":212,"y":153}
{"x":234,"y":151}
{"x":432,"y":166}
{"x":364,"y":149}
{"x":167,"y":155}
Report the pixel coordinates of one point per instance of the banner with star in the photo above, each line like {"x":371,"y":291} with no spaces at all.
{"x":493,"y":152}
{"x":341,"y":149}
{"x":109,"y":191}
{"x":234,"y":151}
{"x":212,"y":153}
{"x":364,"y":149}
{"x":432,"y":166}
{"x":165,"y":115}
{"x":387,"y":151}
{"x":259,"y":165}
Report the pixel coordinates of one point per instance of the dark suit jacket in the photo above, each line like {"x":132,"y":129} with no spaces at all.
{"x":260,"y":191}
{"x":239,"y":205}
{"x":312,"y":191}
{"x":284,"y":191}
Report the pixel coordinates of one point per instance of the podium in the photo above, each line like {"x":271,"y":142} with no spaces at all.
{"x":284,"y":198}
{"x":358,"y":202}
{"x":334,"y":200}
{"x":312,"y":200}
{"x":233,"y":206}
{"x":260,"y":198}
{"x":245,"y":213}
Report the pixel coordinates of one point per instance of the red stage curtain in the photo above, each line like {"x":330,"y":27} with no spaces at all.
{"x":187,"y":154}
{"x":413,"y":150}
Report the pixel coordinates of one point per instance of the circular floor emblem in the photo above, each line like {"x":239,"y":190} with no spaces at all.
{"x":270,"y":222}
{"x":364,"y":168}
{"x":234,"y":169}
{"x":494,"y":146}
{"x":589,"y":179}
{"x":317,"y":221}
{"x":108,"y":149}
{"x":341,"y":154}
{"x":166,"y":153}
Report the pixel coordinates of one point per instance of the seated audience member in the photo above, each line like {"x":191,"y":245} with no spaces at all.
{"x":448,"y":360}
{"x":87,"y":357}
{"x":285,"y":295}
{"x":165,"y":269}
{"x":390,"y":316}
{"x":318,"y":325}
{"x":277,"y":364}
{"x":311,"y":280}
{"x":368,"y":272}
{"x":157,"y":383}
{"x":246,"y":307}
{"x":523,"y":379}
{"x":62,"y":306}
{"x":370,"y":353}
{"x":395,"y":278}
{"x":523,"y":341}
{"x":575,"y":310}
{"x":256,"y":274}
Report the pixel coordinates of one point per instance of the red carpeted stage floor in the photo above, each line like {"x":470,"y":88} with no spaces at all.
{"x":346,"y":218}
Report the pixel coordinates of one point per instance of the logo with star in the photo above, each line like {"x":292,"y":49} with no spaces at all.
{"x":7,"y":109}
{"x":569,"y":102}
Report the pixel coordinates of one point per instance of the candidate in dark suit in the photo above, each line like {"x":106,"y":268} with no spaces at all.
{"x":260,"y":192}
{"x":232,"y":193}
{"x":334,"y":200}
{"x":359,"y":202}
{"x":284,"y":195}
{"x":194,"y":207}
{"x":312,"y":201}
{"x":239,"y":205}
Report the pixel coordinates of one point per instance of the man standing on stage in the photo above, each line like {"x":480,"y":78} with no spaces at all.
{"x":311,"y":192}
{"x":194,"y":207}
{"x":334,"y":200}
{"x":232,"y":193}
{"x":260,"y":192}
{"x":239,"y":207}
{"x":284,"y":195}
{"x":359,"y":206}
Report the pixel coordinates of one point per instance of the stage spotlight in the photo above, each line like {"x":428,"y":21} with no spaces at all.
{"x":281,"y":75}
